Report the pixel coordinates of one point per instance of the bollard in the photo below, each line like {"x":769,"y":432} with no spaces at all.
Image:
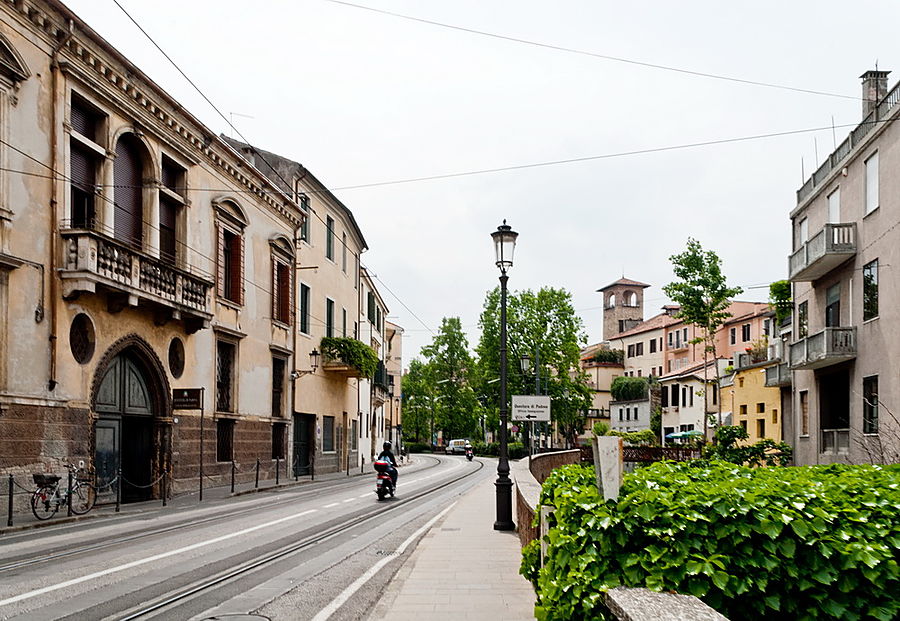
{"x":348,"y":465}
{"x":277,"y":470}
{"x":232,"y":476}
{"x":256,"y":485}
{"x":296,"y":470}
{"x":165,"y":487}
{"x":69,"y":497}
{"x":118,"y":489}
{"x":362,"y":465}
{"x":9,"y":521}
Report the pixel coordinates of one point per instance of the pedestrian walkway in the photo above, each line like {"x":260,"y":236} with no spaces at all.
{"x":461,"y":569}
{"x":22,"y":518}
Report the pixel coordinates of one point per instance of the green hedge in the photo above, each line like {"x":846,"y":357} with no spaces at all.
{"x":629,"y":388}
{"x":417,"y":447}
{"x":515,"y":450}
{"x":812,"y":542}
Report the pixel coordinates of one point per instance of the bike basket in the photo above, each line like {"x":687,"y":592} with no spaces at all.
{"x":45,"y":479}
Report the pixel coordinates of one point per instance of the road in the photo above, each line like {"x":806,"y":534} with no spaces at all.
{"x":285,"y":554}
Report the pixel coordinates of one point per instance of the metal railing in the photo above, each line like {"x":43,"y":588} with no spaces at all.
{"x":880,"y":113}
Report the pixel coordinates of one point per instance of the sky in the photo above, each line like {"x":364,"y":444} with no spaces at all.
{"x":362,"y":97}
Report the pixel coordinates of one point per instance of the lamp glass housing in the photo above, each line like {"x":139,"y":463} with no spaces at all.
{"x":504,"y":245}
{"x":525,"y":363}
{"x":314,"y":359}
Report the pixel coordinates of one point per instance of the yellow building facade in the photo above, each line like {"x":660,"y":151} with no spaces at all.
{"x":754,"y":406}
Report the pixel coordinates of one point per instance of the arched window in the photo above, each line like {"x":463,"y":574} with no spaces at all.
{"x":128,"y":192}
{"x":630,"y":298}
{"x":611,"y":301}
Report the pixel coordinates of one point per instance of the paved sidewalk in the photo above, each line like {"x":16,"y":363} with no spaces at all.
{"x":461,"y":569}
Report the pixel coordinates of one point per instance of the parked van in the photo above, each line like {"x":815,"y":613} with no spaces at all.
{"x":456,"y":447}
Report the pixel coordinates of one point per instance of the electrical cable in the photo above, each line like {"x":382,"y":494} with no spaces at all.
{"x":569,"y":50}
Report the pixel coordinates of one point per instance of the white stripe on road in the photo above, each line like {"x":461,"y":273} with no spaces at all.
{"x":334,"y":504}
{"x":149,"y":559}
{"x":347,"y":593}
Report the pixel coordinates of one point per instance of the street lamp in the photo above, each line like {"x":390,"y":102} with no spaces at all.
{"x":504,"y":246}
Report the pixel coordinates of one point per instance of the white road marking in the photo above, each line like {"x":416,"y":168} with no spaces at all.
{"x":334,"y":504}
{"x":347,"y":593}
{"x":350,"y":500}
{"x":149,"y":559}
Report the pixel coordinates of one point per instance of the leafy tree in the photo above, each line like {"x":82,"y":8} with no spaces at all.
{"x":780,"y":300}
{"x":456,"y":407}
{"x":704,"y":296}
{"x":417,"y":391}
{"x":765,"y":452}
{"x":542,"y":325}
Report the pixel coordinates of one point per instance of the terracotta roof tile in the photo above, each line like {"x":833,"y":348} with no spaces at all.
{"x":625,"y":282}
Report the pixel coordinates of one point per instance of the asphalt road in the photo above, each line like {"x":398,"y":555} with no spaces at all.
{"x":284,"y":554}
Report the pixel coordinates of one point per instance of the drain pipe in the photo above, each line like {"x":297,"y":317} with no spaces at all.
{"x":54,"y":203}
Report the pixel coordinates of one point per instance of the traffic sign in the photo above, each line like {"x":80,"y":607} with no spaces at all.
{"x":531,"y":408}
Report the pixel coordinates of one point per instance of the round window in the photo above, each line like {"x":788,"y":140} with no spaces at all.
{"x":81,"y":338}
{"x":176,"y":357}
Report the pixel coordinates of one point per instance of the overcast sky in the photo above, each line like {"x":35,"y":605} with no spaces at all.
{"x":361,"y":97}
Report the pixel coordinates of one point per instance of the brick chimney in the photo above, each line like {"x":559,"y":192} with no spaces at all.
{"x":874,"y":88}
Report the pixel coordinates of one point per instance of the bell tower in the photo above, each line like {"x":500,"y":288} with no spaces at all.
{"x":623,"y":306}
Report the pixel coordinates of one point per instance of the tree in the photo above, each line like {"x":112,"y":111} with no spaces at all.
{"x":544,"y":326}
{"x":457,"y":411}
{"x":704,"y":296}
{"x":417,"y":389}
{"x":780,"y":300}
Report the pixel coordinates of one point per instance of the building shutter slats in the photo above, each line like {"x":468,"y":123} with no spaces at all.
{"x":167,"y":214}
{"x":128,"y":193}
{"x":220,"y":261}
{"x":81,"y":169}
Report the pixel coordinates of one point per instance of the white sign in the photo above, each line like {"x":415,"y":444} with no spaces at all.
{"x":531,"y":407}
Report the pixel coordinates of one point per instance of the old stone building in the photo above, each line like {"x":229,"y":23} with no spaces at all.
{"x":140,"y":258}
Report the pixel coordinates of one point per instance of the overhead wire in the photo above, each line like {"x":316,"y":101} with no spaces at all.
{"x":571,"y":50}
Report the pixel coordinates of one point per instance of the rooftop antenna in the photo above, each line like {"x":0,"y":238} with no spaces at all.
{"x":802,"y":171}
{"x":833,"y":137}
{"x":816,"y":148}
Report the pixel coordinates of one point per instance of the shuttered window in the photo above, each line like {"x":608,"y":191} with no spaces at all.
{"x":82,"y":172}
{"x":167,"y":216}
{"x":225,"y":359}
{"x":281,"y":291}
{"x":84,"y":120}
{"x":329,"y":238}
{"x":128,"y":191}
{"x":231,"y":265}
{"x":304,"y":309}
{"x":329,"y":318}
{"x":278,"y":368}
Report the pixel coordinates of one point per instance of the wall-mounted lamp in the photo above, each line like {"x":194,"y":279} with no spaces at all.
{"x":313,"y":362}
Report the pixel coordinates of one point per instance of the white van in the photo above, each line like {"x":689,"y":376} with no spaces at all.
{"x":456,"y":447}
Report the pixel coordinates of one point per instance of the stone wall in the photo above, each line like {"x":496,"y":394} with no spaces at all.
{"x":545,"y":463}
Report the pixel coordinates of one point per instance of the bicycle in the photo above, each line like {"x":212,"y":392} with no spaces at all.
{"x":49,"y":497}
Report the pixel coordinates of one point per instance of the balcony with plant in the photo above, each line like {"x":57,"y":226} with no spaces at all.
{"x":348,"y":356}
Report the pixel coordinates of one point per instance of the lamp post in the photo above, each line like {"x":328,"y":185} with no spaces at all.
{"x":504,"y":246}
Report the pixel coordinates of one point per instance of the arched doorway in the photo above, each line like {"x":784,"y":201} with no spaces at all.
{"x":127,"y":433}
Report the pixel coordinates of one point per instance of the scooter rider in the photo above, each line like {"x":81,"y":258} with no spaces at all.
{"x":386,"y":454}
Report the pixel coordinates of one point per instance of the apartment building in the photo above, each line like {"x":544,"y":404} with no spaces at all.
{"x":393,"y":361}
{"x":145,"y":273}
{"x":846,"y":327}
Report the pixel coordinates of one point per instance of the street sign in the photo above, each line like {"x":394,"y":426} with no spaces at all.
{"x":531,"y":408}
{"x":187,"y":399}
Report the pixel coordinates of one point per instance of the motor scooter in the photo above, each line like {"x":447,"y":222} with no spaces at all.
{"x":470,"y":454}
{"x":384,"y":484}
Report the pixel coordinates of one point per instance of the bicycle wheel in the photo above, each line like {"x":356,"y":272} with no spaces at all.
{"x":43,"y":504}
{"x":83,"y":497}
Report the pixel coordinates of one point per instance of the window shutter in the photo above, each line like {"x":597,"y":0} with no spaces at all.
{"x":289,"y":315}
{"x":237,"y":274}
{"x":128,"y":192}
{"x":276,"y":285}
{"x":220,"y":261}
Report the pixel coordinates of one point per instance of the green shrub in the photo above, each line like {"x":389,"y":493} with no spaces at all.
{"x":417,"y":447}
{"x":629,"y":388}
{"x":614,"y":356}
{"x":802,"y":543}
{"x":766,"y":452}
{"x":515,"y":450}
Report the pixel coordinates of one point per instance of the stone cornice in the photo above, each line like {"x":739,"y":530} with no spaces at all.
{"x":99,"y":64}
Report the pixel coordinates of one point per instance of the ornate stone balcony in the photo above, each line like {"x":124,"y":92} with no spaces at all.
{"x":825,"y":348}
{"x":93,"y":262}
{"x":827,"y":249}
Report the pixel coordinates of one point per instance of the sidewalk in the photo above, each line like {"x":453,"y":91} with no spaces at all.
{"x":24,"y":520}
{"x":461,"y":569}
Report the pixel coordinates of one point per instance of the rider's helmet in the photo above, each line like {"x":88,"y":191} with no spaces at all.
{"x":468,"y":443}
{"x":386,"y":446}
